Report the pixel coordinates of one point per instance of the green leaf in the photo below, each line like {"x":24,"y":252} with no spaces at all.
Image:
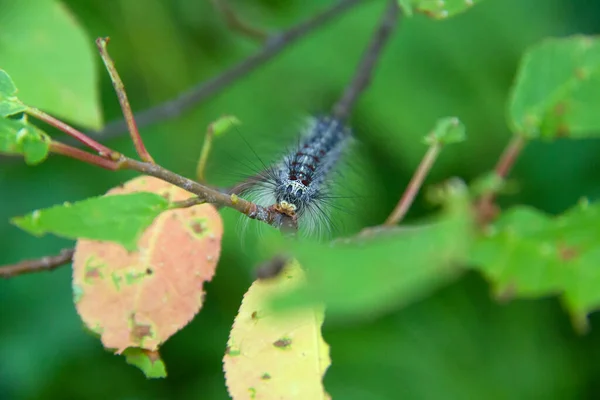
{"x":223,"y":124}
{"x":50,"y":56}
{"x":115,"y":218}
{"x":20,"y":137}
{"x":437,"y":9}
{"x":384,"y":270}
{"x":148,"y":361}
{"x":406,"y":6}
{"x":448,"y":130}
{"x":529,"y":254}
{"x":9,"y":103}
{"x":557,"y":90}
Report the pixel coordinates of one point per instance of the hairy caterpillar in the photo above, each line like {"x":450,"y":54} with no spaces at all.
{"x":302,"y":179}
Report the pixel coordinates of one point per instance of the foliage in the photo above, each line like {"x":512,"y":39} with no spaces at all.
{"x":271,"y":357}
{"x":367,"y":280}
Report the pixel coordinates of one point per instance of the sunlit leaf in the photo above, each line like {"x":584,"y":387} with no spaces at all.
{"x":119,"y":218}
{"x":52,"y":59}
{"x":530,"y":254}
{"x":9,"y":103}
{"x":447,"y":130}
{"x":437,"y":9}
{"x":365,"y":276}
{"x":148,"y":361}
{"x":273,"y":356}
{"x":20,"y":137}
{"x":557,"y":90}
{"x":141,"y":298}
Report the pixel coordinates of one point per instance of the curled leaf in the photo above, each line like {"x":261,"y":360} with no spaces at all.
{"x":272,"y":356}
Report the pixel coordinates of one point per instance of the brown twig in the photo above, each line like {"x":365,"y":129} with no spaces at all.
{"x":238,"y":24}
{"x":273,"y":46}
{"x":413,"y":187}
{"x":367,"y":64}
{"x":46,"y":263}
{"x":123,"y":101}
{"x":69,"y":130}
{"x":486,"y":209}
{"x":78,"y":154}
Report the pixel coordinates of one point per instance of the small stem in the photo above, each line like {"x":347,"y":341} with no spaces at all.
{"x":485,"y":206}
{"x":47,"y":263}
{"x":122,"y":95}
{"x":413,"y":187}
{"x":78,"y":154}
{"x":510,"y":155}
{"x":206,"y":146}
{"x":192,"y":201}
{"x":238,"y":24}
{"x":80,"y":136}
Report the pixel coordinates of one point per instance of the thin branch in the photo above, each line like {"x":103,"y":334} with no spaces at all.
{"x":69,"y":130}
{"x":123,"y":101}
{"x":47,"y":263}
{"x":486,"y":209}
{"x":413,"y":187}
{"x":192,"y":201}
{"x":78,"y":154}
{"x":509,"y":156}
{"x":238,"y":24}
{"x":200,"y":92}
{"x":368,"y":62}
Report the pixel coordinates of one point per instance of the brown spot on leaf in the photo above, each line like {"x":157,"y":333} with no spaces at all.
{"x":197,"y":227}
{"x":92,"y":273}
{"x":166,"y":195}
{"x":139,"y":331}
{"x":567,"y":253}
{"x":255,"y":315}
{"x":562,"y":131}
{"x":581,"y":73}
{"x":282,"y":343}
{"x":265,"y":377}
{"x":149,"y":271}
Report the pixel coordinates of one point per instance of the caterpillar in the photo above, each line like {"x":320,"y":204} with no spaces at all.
{"x":301,"y":181}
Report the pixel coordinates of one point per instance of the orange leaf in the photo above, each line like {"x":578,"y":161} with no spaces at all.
{"x":140,"y":299}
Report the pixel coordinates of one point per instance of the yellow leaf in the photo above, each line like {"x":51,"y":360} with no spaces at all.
{"x":276,"y":356}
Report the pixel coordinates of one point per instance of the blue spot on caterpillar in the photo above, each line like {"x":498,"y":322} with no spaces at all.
{"x":301,"y":181}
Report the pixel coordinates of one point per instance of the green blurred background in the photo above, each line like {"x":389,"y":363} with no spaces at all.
{"x":456,"y":344}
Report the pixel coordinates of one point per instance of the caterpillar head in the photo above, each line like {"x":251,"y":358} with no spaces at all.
{"x":292,"y":196}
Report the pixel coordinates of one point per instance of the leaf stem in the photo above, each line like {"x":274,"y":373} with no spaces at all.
{"x":206,"y":146}
{"x":486,"y":209}
{"x":123,"y":101}
{"x":46,"y":263}
{"x":78,"y":154}
{"x":192,"y":201}
{"x":510,"y":155}
{"x":414,"y":185}
{"x":69,"y":130}
{"x":237,"y":24}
